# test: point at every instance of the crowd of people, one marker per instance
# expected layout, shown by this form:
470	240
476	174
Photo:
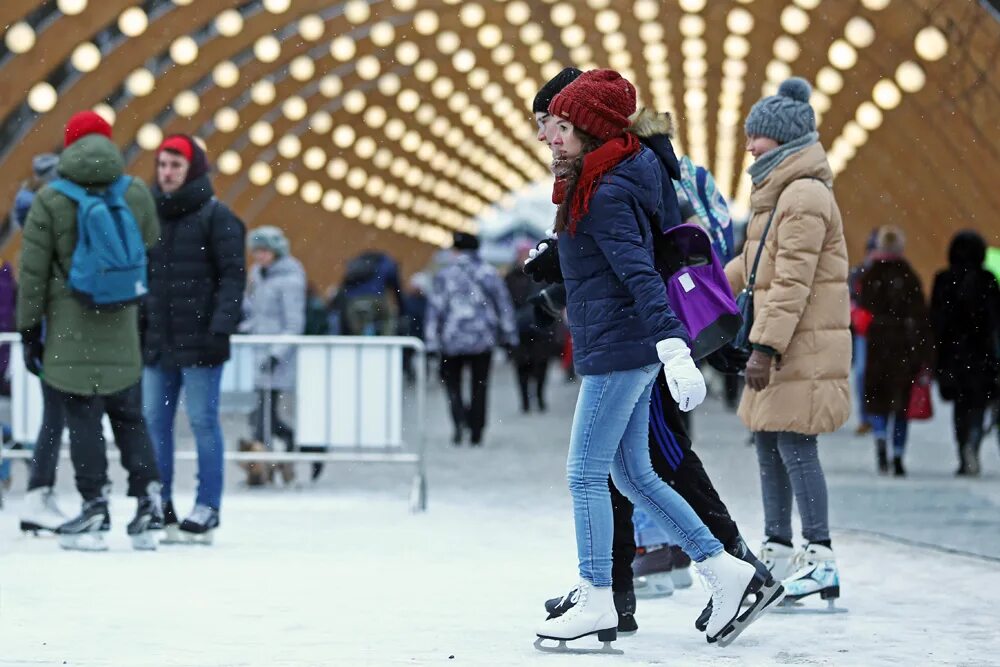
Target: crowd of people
128	296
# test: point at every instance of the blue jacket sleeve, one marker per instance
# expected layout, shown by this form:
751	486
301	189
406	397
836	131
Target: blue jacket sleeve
613	224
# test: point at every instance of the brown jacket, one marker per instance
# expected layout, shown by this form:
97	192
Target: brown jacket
801	300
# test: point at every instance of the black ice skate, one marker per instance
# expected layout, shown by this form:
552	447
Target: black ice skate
586	611
653	571
148	520
624	605
199	527
85	532
171	527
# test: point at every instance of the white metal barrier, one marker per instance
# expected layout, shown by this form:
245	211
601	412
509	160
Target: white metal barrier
349	393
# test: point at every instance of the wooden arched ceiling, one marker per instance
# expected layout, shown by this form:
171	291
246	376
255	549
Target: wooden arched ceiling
390	123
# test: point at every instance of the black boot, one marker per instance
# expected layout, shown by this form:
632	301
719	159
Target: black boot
625	605
883	456
85	532
897	467
148	519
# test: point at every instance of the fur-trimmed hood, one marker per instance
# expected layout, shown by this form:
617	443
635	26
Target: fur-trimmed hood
649	123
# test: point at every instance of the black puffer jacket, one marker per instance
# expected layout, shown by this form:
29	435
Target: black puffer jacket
197	275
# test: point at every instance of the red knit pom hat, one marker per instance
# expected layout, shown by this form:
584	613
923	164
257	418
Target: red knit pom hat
599	102
84	123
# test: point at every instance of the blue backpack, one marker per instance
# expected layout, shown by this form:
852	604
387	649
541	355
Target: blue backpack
108	268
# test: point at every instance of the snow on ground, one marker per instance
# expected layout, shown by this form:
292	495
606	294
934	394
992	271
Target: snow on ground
341	574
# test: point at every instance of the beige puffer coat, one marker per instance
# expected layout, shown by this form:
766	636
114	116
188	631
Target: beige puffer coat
801	300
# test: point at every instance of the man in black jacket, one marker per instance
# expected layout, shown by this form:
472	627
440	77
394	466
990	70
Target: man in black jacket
197	276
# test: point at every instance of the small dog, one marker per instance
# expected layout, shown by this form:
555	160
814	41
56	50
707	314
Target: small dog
261	473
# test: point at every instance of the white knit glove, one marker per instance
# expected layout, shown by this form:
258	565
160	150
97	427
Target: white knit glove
534	252
684	380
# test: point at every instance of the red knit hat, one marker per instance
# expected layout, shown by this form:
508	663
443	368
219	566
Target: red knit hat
177	143
84	123
599	102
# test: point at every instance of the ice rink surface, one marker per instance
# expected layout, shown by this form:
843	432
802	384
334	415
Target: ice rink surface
340	573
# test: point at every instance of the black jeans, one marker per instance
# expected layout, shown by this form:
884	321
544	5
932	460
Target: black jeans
531	370
45	458
968	419
468	415
679	466
88	449
278	427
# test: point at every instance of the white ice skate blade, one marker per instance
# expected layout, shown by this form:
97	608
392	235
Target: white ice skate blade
172	535
83	542
650	586
797	607
145	541
204	539
765	599
561	647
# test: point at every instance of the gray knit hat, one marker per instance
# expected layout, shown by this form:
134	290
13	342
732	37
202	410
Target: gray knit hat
268	238
783	117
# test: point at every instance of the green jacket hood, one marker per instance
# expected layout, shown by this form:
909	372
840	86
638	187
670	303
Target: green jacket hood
92	160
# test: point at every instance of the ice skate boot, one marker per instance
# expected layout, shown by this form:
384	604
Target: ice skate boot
818	574
652	572
681	574
624	605
85	532
779	559
770	588
586	610
41	512
200	525
970	460
148	520
171	527
897	467
731	580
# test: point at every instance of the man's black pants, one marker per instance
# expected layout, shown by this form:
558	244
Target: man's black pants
88	449
467	415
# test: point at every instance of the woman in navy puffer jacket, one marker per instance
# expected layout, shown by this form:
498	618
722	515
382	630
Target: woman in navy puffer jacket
608	188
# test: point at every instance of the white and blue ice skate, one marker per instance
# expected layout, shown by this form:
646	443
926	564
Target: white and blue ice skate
817	574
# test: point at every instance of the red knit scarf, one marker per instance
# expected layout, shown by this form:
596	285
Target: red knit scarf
596	164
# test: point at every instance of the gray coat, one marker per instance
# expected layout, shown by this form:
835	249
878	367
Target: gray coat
275	303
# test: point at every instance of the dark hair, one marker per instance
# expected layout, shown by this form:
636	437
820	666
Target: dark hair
572	175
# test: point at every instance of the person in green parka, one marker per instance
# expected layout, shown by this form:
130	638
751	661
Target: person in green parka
90	358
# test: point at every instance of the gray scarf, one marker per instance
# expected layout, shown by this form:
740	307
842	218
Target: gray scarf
763	167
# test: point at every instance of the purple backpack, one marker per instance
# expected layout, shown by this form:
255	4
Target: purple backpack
697	288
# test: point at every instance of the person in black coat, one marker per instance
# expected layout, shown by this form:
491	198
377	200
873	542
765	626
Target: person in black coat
533	352
197	276
965	316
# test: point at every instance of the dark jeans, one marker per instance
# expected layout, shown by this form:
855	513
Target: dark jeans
468	415
790	465
968	419
45	458
532	371
678	465
88	449
278	427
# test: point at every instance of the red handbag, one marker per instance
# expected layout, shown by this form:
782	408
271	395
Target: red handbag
921	407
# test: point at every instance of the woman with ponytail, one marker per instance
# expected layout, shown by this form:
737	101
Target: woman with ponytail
607	190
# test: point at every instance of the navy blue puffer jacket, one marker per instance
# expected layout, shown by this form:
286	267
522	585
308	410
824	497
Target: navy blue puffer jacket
616	301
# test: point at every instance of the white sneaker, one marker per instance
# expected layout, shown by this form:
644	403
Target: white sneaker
592	610
41	511
729	578
781	561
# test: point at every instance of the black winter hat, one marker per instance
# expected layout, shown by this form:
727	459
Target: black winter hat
553	88
463	241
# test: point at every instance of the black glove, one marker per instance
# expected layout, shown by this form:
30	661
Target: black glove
270	364
544	267
217	345
33	350
728	360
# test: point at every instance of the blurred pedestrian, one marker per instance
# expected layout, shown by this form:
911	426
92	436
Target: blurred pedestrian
533	353
469	314
861	319
965	317
898	344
